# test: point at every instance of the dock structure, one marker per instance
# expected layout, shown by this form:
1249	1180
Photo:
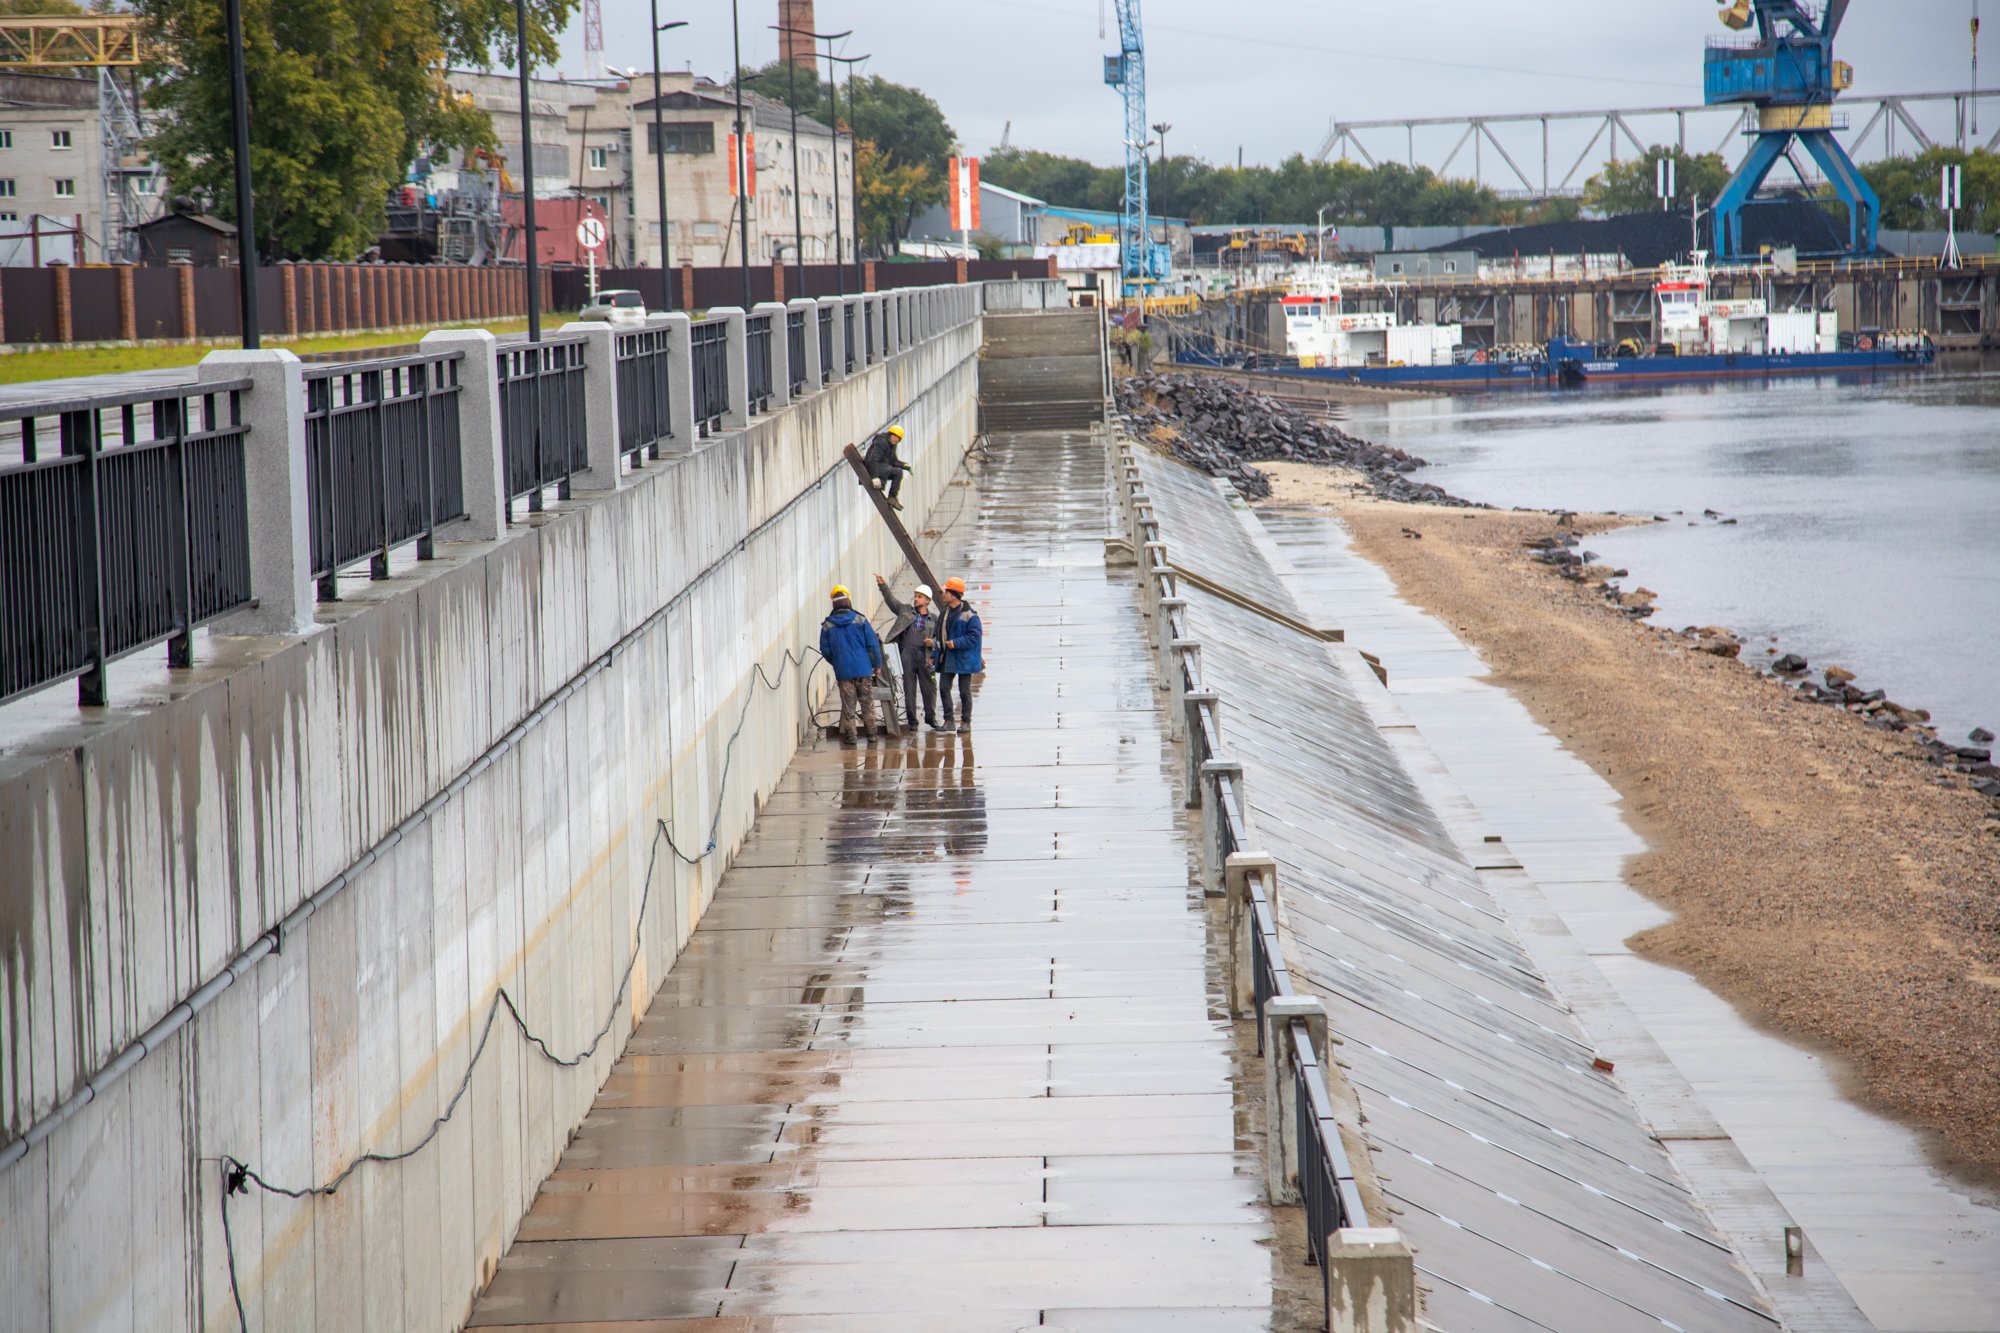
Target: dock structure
942	1054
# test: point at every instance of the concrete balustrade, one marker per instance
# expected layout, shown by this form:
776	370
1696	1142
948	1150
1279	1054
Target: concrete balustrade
808	310
600	404
781	354
458	779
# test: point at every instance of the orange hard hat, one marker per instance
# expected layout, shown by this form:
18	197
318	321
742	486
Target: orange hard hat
954	585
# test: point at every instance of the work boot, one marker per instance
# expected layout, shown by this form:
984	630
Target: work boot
895	504
846	737
965	728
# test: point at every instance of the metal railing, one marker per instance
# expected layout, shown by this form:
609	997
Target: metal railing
825	343
868	321
382	461
757	361
709	346
853	348
645	401
543	430
134	529
795	351
1306	1158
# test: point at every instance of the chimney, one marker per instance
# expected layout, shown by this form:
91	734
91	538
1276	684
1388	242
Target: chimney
797	50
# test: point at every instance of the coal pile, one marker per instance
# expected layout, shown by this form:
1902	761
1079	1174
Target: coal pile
1221	427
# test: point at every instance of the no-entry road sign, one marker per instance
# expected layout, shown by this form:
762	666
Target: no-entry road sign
590	233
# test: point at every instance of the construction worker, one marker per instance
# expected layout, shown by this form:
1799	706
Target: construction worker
884	467
959	653
915	635
848	643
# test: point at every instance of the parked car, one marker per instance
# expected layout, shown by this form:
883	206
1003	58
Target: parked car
617	305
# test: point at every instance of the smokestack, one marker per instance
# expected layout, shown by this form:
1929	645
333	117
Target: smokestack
797	50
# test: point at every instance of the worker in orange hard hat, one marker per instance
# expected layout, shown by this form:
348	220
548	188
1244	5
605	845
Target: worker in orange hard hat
885	468
960	653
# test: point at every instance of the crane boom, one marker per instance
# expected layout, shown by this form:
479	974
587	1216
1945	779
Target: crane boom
1126	72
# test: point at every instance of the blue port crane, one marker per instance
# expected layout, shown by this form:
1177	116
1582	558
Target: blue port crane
1126	72
1787	71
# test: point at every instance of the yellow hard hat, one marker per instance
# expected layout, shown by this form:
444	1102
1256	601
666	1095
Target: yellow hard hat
896	434
840	590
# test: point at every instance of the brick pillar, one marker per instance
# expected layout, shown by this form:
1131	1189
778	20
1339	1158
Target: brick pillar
128	315
188	329
777	282
963	273
65	317
288	284
687	287
350	309
868	275
1051	273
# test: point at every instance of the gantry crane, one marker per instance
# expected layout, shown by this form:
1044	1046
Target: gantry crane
1787	71
1126	72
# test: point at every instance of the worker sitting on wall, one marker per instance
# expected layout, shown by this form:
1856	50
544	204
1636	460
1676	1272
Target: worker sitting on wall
885	469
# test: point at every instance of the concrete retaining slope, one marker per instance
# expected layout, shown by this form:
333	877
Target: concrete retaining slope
526	712
1042	370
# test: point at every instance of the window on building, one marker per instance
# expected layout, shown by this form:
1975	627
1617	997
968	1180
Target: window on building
181	254
6	138
146	185
59	138
600	159
65	188
707	231
1450	266
691	138
6	187
10	217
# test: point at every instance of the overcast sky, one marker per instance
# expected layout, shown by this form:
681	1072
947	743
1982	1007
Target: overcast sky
1269	76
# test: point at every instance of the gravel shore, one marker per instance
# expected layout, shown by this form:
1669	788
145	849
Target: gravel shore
1823	880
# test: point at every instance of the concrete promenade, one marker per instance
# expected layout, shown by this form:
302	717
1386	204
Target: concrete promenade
945	1052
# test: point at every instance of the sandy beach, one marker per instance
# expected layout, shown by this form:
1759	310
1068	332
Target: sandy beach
1822	879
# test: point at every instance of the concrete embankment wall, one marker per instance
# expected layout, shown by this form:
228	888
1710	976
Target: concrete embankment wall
527	712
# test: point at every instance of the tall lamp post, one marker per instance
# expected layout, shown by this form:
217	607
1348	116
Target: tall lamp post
742	151
533	238
798	198
853	156
1160	127
660	160
246	221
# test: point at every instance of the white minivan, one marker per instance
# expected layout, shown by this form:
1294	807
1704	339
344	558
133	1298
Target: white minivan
616	305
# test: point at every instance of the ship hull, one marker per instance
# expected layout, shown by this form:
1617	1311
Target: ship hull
1579	370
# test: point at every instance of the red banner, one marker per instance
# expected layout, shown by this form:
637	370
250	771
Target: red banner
964	194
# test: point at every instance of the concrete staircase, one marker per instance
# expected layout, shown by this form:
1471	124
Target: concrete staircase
1041	370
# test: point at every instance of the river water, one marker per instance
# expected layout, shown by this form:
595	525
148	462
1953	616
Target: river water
1867	514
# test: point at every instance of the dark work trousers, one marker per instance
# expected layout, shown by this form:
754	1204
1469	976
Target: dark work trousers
890	478
964	682
918	677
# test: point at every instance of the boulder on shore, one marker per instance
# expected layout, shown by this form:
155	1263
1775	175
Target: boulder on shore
1838	675
1790	664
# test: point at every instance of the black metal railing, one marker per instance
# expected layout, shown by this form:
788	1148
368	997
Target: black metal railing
709	342
795	350
382	460
136	528
848	342
645	400
543	431
757	361
868	321
825	343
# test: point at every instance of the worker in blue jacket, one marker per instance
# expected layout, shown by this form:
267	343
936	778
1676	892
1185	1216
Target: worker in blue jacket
851	647
960	656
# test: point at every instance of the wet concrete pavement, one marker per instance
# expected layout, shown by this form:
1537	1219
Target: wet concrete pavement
945	1052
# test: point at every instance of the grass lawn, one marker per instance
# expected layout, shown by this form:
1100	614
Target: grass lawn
58	363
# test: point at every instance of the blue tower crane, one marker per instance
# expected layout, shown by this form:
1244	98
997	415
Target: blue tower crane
1126	71
1788	72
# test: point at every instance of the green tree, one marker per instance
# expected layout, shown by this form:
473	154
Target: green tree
343	95
1630	187
1909	188
904	130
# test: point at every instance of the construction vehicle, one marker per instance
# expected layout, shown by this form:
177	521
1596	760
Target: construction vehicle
1787	71
1080	233
1247	246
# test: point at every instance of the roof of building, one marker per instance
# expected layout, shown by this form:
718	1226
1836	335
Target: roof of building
1106	217
1015	195
214	224
717	97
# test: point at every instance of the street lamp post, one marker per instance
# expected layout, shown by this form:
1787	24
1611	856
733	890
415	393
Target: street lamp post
742	152
853	156
246	221
1160	128
533	235
798	198
660	159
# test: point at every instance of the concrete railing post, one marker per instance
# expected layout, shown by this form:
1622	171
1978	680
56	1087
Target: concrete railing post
809	311
737	415
1242	924
480	468
274	475
1213	821
1281	1099
1156	574
836	331
681	433
781	353
1193	703
1371	1281
600	405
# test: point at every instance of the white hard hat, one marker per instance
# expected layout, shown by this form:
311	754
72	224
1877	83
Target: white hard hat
924	590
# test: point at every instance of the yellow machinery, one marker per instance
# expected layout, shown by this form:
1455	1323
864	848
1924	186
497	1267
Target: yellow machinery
1080	233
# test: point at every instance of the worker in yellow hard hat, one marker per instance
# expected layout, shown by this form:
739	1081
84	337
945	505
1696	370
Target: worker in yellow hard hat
850	646
885	468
